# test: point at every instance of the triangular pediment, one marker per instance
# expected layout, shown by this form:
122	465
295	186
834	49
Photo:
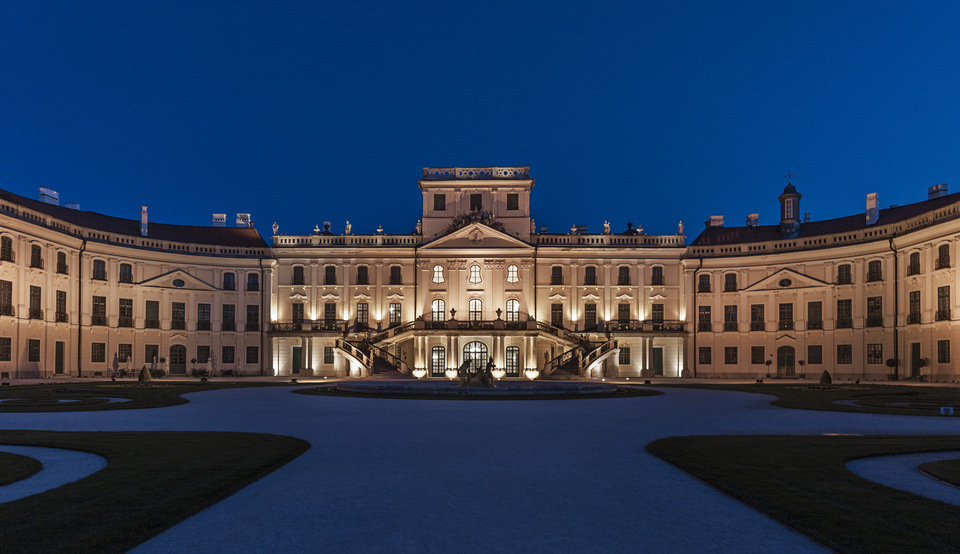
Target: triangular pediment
785	279
178	279
476	236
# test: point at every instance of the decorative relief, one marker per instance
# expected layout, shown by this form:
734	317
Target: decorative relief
943	277
476	237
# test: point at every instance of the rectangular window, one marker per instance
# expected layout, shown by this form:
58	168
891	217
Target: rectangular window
330	275
228	319
705	355
395	313
623	275
36	312
624	356
756	317
229	281
815	354
730	282
875	353
704	284
556	275
476	202
729	355
100	270
6	349
844	275
943	256
875	311
943	351
815	315
6	249
328	354
590	275
656	276
438	361
61	306
786	315
363	315
943	303
298	313
513	201
395	277
914	315
152	314
98	352
203	353
657	313
874	271
512	366
623	313
178	315
556	315
844	313
253	282
125	311
228	355
253	317
757	355
298	275
98	315
730	317
704	319
253	355
363	275
330	312
439	202
203	317
151	354
589	317
6	297
62	263
125	353
126	273
844	353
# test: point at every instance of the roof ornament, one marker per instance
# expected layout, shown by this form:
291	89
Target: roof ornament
346	231
680	227
275	228
606	227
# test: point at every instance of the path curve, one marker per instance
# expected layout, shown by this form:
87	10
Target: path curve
59	468
902	472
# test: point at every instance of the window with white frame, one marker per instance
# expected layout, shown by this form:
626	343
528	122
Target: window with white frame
438	274
513	274
476	309
474	277
513	310
438	309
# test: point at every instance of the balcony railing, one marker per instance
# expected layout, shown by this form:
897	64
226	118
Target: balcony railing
785	325
306	326
252	326
703	288
151	324
814	325
705	326
913	318
730	326
6	256
7	309
35	263
844	323
645	325
100	275
874	321
125	322
758	326
228	326
62	317
178	324
98	320
844	281
941	263
203	325
63	269
913	269
36	313
943	315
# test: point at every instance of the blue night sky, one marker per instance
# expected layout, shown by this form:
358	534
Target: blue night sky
648	112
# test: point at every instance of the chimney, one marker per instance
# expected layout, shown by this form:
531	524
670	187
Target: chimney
49	196
219	220
143	221
753	220
715	221
872	211
936	191
243	220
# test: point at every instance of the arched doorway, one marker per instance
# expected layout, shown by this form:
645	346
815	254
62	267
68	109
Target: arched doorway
178	359
476	353
785	361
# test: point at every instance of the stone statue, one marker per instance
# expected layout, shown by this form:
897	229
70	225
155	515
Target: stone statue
606	227
419	227
347	230
680	227
533	226
275	227
470	377
573	229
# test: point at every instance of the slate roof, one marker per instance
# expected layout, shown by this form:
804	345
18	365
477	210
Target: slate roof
714	236
243	237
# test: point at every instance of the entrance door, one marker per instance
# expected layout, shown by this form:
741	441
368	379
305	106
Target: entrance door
657	361
785	357
297	359
914	359
58	359
178	359
476	353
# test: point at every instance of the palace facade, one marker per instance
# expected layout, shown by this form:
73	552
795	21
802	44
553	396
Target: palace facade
866	296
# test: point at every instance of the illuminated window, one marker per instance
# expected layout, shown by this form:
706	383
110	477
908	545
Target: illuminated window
513	310
512	360
439	309
438	361
474	277
475	309
656	275
513	274
438	274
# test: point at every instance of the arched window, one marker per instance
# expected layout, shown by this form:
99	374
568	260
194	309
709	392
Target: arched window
513	310
513	274
874	271
844	274
298	275
438	307
943	256
62	262
474	277
229	281
590	275
914	267
476	353
36	256
6	249
438	361
656	275
363	275
330	275
704	285
100	270
730	282
623	275
512	361
475	309
126	273
395	277
437	274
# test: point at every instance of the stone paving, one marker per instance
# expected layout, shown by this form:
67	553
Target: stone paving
439	475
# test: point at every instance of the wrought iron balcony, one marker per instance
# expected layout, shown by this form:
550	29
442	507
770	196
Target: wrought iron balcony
705	326
125	322
98	320
758	326
785	325
63	269
814	325
913	318
913	269
36	263
62	317
252	326
178	324
151	324
7	309
943	315
874	321
36	313
941	263
203	325
306	326
844	323
228	326
730	326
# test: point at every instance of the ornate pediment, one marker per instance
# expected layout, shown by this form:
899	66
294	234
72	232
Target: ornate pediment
785	279
473	236
178	279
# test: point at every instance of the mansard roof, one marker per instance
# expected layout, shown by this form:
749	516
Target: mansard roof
713	236
246	237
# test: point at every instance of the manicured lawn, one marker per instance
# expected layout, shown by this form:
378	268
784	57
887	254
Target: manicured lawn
152	481
947	471
14	467
802	481
877	399
96	395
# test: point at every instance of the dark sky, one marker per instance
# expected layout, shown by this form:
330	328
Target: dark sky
648	112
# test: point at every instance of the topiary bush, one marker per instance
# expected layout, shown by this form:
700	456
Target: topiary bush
145	375
825	378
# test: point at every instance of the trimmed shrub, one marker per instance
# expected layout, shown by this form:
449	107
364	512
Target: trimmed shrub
825	378
145	375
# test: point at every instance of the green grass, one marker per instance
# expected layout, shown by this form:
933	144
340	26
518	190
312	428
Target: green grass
152	481
876	399
947	471
15	467
94	395
802	481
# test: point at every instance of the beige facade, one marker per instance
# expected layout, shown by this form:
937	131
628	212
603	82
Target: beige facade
477	281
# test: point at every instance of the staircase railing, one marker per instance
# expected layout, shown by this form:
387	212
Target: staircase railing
355	350
599	351
574	353
392	359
